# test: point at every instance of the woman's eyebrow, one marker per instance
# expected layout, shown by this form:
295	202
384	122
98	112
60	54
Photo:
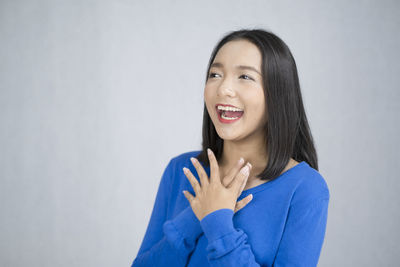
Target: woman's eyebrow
242	67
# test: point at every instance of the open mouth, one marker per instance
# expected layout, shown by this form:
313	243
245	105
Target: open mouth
229	115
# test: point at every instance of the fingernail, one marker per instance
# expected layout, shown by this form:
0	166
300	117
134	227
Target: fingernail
185	170
249	165
245	170
193	159
241	160
208	151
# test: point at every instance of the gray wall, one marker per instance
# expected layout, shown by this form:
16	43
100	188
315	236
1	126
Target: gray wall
97	96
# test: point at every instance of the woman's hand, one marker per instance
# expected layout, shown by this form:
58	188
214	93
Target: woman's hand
212	195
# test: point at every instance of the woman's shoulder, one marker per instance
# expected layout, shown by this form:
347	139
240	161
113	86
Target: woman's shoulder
175	165
310	185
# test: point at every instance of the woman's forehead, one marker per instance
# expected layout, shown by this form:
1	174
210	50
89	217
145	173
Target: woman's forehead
238	53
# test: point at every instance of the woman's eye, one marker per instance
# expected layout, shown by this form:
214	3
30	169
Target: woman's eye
212	75
246	77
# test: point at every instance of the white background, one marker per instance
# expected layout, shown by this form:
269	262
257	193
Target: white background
97	96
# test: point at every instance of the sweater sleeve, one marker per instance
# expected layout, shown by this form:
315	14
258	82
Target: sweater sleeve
300	244
227	245
304	234
168	242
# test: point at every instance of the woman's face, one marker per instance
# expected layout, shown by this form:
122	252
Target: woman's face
231	82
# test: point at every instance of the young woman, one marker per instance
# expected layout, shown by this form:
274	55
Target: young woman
211	209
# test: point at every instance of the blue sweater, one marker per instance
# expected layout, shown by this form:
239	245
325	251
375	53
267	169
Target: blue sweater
283	225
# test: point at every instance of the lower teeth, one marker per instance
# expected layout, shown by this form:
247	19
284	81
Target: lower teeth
228	118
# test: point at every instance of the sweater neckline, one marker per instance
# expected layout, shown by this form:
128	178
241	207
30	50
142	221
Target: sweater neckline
265	185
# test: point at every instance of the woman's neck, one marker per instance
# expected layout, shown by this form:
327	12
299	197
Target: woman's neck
253	152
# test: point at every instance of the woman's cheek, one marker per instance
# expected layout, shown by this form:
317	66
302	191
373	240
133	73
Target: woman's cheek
207	94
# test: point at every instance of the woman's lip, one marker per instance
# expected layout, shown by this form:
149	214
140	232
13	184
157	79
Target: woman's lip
219	113
226	105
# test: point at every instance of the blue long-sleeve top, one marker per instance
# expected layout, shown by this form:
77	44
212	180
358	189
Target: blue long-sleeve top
283	225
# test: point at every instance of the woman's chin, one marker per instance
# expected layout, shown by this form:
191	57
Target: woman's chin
227	135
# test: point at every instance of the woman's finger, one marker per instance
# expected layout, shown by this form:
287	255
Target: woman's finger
243	185
239	179
243	202
200	171
188	196
193	181
233	172
214	168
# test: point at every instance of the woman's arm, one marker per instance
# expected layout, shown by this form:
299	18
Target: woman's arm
227	245
168	243
300	244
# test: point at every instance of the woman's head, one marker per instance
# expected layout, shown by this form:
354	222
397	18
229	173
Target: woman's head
235	78
271	99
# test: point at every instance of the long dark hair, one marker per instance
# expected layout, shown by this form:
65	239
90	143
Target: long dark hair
287	133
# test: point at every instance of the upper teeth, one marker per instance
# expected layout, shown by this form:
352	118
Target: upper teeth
228	108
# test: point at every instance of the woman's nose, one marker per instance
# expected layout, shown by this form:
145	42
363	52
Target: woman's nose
226	88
